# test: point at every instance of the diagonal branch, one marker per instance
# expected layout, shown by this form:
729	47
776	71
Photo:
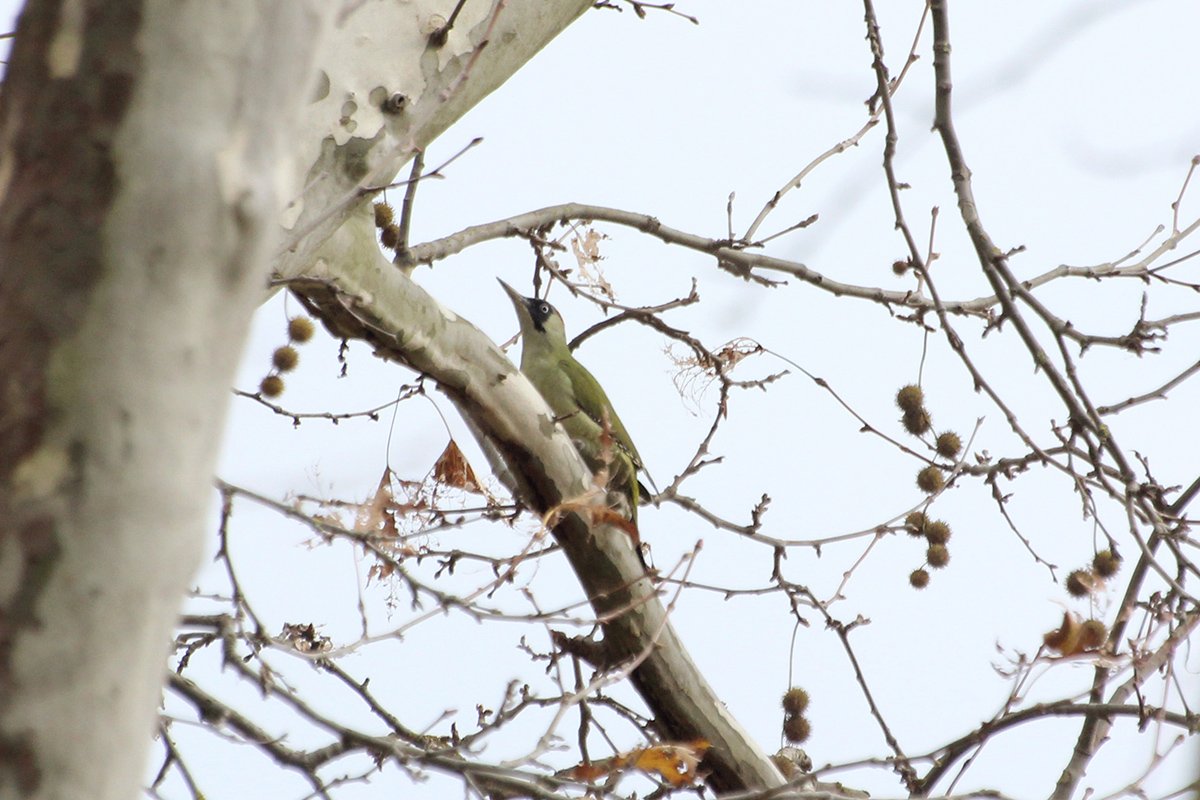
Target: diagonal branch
370	299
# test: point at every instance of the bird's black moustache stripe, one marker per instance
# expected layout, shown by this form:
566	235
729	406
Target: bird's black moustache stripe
539	312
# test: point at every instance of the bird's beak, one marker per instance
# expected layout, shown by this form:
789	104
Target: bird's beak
512	293
519	301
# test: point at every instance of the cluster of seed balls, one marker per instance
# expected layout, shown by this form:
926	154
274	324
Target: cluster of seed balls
936	533
795	725
285	359
1082	582
389	231
916	420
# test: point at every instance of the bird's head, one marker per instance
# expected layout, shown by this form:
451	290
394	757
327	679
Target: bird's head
541	324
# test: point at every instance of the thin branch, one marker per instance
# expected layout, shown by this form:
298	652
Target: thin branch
845	144
1158	394
410	196
334	417
732	259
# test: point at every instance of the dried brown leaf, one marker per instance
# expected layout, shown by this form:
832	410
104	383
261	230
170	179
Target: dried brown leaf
373	516
452	469
677	764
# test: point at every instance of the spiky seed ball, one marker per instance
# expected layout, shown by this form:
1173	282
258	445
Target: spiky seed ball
915	523
1081	583
389	237
937	555
1093	635
910	398
795	700
285	358
900	267
271	386
796	729
930	480
383	215
937	532
1106	563
917	421
918	579
948	444
300	329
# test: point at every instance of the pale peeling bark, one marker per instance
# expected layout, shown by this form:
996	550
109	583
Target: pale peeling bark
360	294
141	144
384	90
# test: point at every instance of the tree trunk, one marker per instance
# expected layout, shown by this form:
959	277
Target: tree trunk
139	144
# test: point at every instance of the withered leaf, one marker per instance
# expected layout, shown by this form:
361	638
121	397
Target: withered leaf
452	469
677	763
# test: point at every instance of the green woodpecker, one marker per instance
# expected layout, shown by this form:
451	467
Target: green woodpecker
575	397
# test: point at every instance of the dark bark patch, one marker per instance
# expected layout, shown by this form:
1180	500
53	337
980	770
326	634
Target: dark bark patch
57	128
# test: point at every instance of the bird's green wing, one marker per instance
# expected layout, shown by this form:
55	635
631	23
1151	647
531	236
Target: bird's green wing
594	403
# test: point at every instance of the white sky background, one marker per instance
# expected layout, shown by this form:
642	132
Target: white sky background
1078	119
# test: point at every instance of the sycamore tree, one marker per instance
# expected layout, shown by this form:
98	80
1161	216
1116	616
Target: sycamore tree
917	509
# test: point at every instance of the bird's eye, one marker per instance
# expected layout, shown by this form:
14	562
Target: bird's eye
544	308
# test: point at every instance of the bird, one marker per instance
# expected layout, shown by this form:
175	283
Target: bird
576	397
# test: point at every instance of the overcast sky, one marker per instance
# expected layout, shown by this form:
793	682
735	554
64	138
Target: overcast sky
1078	119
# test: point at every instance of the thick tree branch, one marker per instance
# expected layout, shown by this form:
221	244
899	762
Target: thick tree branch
405	89
371	299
